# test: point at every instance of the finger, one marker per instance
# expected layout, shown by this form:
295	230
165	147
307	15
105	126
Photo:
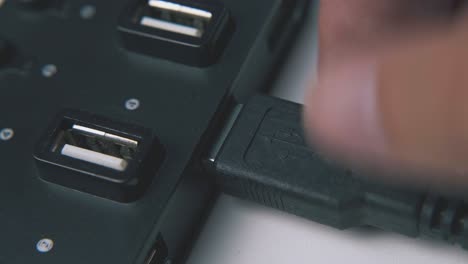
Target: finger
400	106
358	24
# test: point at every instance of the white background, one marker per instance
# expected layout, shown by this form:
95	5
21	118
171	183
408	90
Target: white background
241	232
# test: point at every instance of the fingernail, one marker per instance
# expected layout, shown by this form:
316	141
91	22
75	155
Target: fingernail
342	111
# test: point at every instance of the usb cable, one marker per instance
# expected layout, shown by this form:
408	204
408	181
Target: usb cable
261	155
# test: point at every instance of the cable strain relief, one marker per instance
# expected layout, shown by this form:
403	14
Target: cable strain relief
445	220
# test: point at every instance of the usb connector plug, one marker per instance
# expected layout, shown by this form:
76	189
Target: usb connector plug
262	156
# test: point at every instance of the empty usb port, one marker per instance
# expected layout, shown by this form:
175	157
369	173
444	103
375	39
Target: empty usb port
99	156
95	146
176	18
191	32
159	253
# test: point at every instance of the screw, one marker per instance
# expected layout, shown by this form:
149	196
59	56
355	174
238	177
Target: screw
6	134
87	11
44	245
49	70
132	104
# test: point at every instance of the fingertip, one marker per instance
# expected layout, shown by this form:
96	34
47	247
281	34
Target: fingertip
400	110
341	114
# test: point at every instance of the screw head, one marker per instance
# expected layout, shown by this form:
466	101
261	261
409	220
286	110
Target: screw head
49	70
6	134
45	245
87	11
132	104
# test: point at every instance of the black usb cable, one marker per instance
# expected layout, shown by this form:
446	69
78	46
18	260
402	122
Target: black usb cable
262	156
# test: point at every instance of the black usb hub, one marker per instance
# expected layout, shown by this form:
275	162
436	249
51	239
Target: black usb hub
124	177
93	184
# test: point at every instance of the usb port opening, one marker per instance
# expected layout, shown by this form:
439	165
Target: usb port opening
176	18
159	253
192	32
95	146
99	156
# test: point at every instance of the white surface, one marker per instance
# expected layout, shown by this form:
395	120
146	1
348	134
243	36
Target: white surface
240	232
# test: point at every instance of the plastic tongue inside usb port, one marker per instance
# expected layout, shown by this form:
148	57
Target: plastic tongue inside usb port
95	146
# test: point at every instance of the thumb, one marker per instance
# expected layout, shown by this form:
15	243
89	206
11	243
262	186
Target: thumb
400	107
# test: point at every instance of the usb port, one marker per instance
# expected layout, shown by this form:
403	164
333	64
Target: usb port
177	18
159	253
98	156
95	146
190	32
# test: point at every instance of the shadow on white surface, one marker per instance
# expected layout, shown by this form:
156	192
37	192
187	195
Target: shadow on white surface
243	232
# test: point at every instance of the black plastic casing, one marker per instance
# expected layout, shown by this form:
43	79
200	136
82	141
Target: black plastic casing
39	5
265	158
183	106
177	47
11	59
7	53
121	186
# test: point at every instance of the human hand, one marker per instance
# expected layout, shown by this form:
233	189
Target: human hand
391	90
